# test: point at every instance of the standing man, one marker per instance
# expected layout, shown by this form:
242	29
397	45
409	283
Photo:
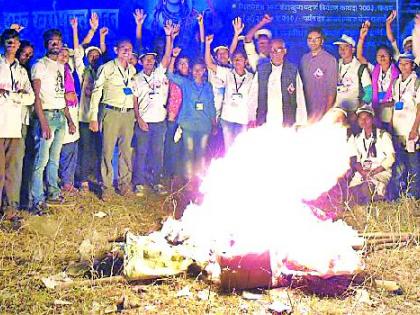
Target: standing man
278	91
15	93
151	94
319	74
52	115
113	89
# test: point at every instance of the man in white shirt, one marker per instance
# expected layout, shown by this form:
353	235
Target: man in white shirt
15	93
151	88
375	156
405	123
52	116
277	92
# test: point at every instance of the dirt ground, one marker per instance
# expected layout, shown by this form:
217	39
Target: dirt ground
45	246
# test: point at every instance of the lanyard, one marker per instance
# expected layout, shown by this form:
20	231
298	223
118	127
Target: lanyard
201	91
344	75
383	76
148	83
367	149
125	80
12	77
405	88
236	83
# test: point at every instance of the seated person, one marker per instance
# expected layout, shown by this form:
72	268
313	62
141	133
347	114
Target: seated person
375	156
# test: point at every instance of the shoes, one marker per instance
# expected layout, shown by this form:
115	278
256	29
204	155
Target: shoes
107	195
58	202
39	209
125	190
140	190
160	189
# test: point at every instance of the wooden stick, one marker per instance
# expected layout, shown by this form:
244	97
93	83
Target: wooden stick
92	282
389	234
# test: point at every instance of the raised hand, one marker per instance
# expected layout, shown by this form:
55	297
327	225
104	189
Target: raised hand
94	21
209	39
16	27
168	27
73	23
266	19
103	31
364	29
238	26
175	30
139	16
199	18
391	17
176	51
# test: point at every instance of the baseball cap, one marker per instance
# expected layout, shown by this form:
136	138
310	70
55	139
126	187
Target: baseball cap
408	56
90	48
220	47
367	108
263	31
407	39
345	39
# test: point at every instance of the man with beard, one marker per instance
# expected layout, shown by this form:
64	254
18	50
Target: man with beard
15	94
52	115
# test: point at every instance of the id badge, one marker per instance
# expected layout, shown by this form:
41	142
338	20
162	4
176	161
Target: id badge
128	91
236	98
399	105
381	96
199	106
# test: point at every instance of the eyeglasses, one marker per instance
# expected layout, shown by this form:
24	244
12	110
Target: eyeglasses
314	39
278	50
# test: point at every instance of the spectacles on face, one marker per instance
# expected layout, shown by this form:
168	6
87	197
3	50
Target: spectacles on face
314	39
278	50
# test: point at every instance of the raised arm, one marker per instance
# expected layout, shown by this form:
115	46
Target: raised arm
74	27
103	32
364	29
390	34
200	20
175	53
416	39
139	18
264	21
94	23
171	31
238	27
207	55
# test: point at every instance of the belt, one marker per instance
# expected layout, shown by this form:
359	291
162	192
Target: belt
119	109
53	110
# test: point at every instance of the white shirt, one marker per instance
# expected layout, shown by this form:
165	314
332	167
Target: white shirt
348	84
252	55
152	93
275	99
51	75
218	90
236	99
404	91
14	106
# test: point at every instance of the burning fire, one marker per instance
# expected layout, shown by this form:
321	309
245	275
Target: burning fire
254	201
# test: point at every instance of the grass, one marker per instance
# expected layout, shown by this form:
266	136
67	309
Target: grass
45	246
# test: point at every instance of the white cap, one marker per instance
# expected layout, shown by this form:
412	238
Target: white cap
345	39
147	53
215	49
71	51
263	31
90	48
408	38
367	108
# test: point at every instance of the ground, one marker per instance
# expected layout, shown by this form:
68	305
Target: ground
45	246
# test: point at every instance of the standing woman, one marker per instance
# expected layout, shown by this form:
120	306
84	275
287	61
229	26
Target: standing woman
197	117
384	74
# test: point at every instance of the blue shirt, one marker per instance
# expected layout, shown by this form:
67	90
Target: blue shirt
197	110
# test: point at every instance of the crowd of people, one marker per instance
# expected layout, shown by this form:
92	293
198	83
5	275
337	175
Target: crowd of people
78	116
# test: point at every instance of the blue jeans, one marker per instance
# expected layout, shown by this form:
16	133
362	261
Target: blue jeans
172	155
195	147
230	131
47	156
148	159
406	177
68	162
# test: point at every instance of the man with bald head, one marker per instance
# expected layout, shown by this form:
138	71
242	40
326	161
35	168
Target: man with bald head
277	90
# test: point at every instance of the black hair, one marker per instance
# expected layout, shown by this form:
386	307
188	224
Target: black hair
123	40
387	49
316	30
50	34
8	34
239	51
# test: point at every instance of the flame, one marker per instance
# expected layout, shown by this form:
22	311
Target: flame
253	200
